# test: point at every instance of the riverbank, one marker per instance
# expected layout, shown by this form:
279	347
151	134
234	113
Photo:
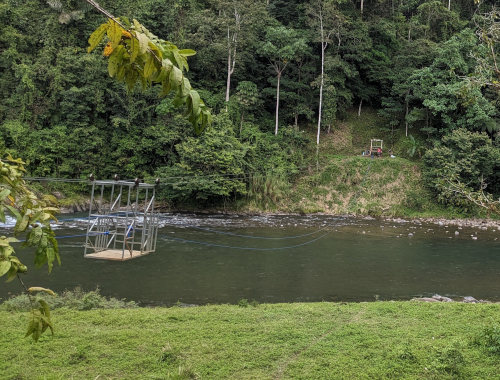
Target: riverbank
475	223
390	189
268	341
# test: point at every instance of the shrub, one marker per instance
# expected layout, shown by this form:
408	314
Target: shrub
72	299
243	302
209	167
470	157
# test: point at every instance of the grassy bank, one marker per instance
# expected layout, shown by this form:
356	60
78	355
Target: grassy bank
314	341
344	182
363	186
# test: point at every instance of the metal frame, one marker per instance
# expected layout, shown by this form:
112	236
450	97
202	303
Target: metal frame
376	143
117	223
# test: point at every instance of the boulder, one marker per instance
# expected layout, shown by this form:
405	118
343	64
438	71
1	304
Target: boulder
58	195
425	299
441	298
470	299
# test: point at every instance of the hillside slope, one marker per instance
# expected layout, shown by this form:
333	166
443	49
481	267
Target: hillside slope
360	185
345	182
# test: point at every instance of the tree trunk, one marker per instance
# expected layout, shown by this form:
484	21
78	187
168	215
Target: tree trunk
228	82
230	62
406	113
231	52
362	2
296	116
359	109
449	5
277	103
323	47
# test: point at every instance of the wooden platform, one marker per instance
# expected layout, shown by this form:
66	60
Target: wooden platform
116	255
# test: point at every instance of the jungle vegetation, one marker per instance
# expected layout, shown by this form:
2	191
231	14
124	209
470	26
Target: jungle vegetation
277	76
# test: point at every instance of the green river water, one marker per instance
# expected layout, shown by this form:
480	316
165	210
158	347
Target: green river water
338	259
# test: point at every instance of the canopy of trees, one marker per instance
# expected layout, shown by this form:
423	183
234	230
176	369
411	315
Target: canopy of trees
265	69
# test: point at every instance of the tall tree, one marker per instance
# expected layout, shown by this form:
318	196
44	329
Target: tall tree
282	45
440	89
238	19
326	19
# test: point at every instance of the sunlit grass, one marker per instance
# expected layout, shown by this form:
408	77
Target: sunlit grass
309	340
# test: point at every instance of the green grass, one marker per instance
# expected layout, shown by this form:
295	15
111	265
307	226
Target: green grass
305	340
360	185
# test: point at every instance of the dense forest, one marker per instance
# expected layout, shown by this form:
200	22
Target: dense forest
278	76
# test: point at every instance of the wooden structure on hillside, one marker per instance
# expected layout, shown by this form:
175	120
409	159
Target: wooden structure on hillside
376	144
122	223
375	150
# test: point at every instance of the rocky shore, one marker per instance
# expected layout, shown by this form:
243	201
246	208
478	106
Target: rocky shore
83	205
483	224
439	298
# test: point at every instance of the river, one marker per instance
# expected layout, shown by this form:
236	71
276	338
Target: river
204	259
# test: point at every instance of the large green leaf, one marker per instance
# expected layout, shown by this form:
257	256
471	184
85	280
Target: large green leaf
32	325
4	194
175	77
166	67
187	52
121	73
4	267
34	236
11	274
14	212
50	257
7	251
195	98
44	309
149	67
23	223
115	60
96	37
180	60
143	42
40	257
186	87
134	49
46	323
166	87
114	32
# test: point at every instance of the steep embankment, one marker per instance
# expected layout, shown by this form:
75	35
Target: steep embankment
359	185
345	182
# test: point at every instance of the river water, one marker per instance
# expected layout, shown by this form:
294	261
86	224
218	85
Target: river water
222	259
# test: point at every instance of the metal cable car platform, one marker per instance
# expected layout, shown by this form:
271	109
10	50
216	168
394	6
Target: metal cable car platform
122	223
